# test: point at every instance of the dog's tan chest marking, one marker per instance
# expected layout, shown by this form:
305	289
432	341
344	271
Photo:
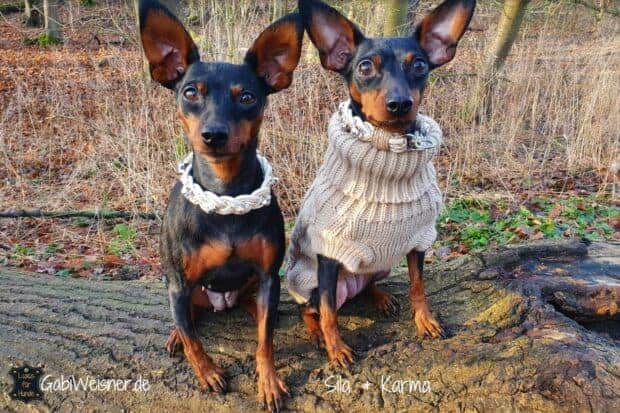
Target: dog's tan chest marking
209	256
214	254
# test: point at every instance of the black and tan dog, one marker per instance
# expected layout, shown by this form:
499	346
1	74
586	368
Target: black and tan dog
215	261
386	78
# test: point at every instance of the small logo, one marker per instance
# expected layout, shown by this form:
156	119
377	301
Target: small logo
26	383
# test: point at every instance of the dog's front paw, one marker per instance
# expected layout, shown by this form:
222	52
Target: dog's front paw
426	324
339	354
271	389
211	378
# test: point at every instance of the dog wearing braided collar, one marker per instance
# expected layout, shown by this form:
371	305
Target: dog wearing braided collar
222	239
375	198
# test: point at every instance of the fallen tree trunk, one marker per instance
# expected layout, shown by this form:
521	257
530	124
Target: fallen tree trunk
509	344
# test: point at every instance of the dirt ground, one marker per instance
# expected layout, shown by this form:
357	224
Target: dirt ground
529	328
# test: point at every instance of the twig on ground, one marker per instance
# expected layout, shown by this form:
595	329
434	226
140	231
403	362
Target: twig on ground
80	214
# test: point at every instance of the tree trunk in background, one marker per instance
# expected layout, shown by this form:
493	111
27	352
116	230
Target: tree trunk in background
145	64
194	11
27	9
198	12
31	14
397	17
507	30
52	20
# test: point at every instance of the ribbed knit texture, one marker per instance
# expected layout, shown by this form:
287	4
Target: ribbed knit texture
367	207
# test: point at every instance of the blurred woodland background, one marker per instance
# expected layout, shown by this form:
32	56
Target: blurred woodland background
529	108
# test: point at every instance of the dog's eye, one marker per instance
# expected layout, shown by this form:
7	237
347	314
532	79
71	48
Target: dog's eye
247	98
419	68
190	93
366	68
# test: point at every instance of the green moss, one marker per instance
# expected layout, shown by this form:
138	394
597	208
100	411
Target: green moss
505	312
42	39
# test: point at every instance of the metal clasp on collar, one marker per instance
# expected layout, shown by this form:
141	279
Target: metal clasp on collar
415	142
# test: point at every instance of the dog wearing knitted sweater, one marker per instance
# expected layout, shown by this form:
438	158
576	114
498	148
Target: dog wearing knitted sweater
375	198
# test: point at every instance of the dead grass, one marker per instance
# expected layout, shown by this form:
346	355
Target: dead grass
80	128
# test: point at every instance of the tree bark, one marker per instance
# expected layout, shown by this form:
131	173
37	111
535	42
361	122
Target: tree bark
195	14
145	73
510	344
397	22
52	20
507	29
32	14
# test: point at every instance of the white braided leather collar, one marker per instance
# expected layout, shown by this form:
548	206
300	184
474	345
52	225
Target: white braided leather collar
427	137
210	202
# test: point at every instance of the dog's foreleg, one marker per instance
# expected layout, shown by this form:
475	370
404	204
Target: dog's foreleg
338	352
424	321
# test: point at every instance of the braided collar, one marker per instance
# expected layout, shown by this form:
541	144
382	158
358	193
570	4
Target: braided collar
428	135
210	202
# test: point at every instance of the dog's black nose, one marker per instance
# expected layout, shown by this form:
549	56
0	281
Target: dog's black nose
399	106
215	137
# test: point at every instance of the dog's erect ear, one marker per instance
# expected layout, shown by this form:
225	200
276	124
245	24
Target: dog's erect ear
168	47
276	52
439	33
333	34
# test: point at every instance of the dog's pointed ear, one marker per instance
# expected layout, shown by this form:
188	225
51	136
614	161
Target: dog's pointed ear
275	54
334	35
168	47
439	33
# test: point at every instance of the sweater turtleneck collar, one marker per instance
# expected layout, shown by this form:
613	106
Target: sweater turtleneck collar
427	135
361	161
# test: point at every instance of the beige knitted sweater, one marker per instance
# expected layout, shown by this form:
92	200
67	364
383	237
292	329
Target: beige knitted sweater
371	203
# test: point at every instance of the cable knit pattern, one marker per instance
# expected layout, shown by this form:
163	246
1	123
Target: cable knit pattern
369	205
